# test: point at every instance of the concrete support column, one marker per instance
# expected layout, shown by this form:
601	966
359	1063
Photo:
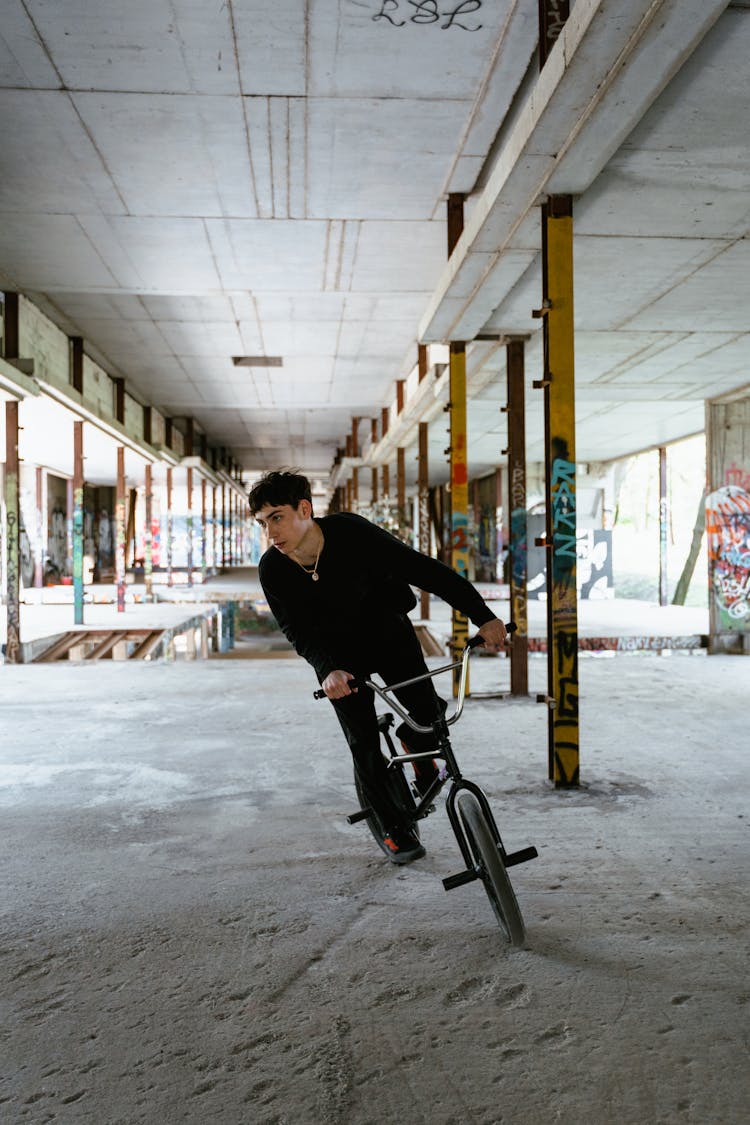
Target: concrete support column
12	535
519	650
560	457
78	523
170	537
424	511
120	531
728	525
148	544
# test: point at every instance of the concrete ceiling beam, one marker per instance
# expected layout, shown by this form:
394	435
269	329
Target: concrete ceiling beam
608	66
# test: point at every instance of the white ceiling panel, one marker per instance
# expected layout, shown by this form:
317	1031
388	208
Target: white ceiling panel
145	45
356	156
399	257
266	255
148	254
170	155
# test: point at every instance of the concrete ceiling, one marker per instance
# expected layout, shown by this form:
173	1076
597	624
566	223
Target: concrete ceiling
181	183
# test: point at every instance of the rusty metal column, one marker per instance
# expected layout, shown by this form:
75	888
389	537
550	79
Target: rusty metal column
204	530
148	543
459	491
401	488
38	533
78	523
424	512
355	470
519	650
120	531
560	457
663	527
374	442
12	535
223	535
189	487
214	550
169	527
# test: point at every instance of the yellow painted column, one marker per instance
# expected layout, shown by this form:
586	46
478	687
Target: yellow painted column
459	489
561	495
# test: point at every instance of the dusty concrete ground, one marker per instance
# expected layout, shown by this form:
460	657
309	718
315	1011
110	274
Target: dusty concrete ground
192	933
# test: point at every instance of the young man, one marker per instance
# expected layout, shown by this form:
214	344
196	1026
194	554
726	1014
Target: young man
340	589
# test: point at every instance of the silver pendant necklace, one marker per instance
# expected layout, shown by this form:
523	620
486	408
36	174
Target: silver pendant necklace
314	572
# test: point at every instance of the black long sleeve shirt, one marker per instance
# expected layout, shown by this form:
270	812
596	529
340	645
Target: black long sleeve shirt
365	575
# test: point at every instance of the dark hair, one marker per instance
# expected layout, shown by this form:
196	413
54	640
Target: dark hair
279	488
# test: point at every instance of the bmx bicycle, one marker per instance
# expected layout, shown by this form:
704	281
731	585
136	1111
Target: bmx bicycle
468	809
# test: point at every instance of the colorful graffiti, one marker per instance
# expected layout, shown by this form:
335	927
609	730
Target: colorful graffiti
728	534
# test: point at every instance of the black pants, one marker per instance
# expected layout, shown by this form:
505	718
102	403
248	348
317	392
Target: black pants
395	656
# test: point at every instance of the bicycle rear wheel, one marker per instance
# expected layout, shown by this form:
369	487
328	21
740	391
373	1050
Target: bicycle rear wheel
401	794
492	870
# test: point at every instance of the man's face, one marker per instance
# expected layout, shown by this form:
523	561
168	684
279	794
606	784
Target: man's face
284	525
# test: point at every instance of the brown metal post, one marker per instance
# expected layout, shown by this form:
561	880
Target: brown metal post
12	537
400	385
204	529
11	330
78	523
214	549
663	527
120	531
455	219
424	511
422	361
223	525
519	651
38	532
76	363
148	546
552	17
119	385
386	478
169	527
189	484
384	419
401	488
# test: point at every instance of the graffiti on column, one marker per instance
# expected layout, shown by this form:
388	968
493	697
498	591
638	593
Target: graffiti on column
519	547
120	553
564	554
78	537
425	13
13	642
728	534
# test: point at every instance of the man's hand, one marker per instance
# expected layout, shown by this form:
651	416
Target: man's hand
336	684
494	635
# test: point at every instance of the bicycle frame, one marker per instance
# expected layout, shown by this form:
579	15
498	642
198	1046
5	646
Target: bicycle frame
451	771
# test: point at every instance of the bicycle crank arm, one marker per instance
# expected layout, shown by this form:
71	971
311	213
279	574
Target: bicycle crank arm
520	856
463	877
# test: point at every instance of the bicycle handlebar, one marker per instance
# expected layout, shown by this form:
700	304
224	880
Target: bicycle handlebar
463	664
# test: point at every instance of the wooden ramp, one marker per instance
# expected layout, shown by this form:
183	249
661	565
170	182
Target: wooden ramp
103	644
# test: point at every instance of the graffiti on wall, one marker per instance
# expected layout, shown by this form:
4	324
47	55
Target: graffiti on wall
728	534
424	13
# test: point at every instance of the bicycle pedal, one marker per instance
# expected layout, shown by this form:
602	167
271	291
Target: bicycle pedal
459	880
361	814
510	860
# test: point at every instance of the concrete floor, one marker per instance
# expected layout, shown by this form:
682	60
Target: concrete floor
192	933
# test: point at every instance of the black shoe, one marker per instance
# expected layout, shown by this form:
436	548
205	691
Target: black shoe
402	845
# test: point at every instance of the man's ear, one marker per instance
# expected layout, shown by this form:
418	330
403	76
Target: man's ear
304	509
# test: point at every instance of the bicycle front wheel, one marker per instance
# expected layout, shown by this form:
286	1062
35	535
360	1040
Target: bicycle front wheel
492	872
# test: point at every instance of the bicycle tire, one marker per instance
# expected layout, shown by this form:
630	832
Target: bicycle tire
401	793
491	868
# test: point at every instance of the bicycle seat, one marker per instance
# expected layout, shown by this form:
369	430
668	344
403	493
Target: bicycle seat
385	721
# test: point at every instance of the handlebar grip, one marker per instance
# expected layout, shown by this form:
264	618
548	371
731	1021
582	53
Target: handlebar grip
473	642
354	683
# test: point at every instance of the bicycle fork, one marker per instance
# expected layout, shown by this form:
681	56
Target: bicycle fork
472	872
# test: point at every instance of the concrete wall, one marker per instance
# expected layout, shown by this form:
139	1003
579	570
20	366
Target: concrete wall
39	339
